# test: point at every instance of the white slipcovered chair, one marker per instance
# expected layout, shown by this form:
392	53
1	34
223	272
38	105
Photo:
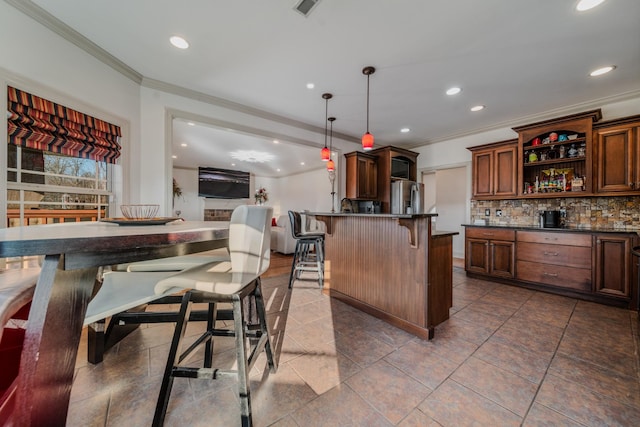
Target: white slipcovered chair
236	282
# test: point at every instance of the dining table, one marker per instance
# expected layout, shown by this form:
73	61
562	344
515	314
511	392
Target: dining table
72	255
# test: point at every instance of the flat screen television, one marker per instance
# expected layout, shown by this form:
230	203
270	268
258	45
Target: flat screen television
218	183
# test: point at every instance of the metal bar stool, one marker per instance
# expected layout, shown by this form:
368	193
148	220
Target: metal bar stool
236	282
309	252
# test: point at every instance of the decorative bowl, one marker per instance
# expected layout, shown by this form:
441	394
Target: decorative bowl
139	211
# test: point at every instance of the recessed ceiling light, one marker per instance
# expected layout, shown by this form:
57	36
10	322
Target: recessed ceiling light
252	156
183	145
233	164
587	4
477	108
174	157
405	130
310	85
453	91
601	71
179	42
301	163
275	141
191	123
278	170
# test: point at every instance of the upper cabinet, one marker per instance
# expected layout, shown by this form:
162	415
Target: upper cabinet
362	176
369	175
393	163
495	170
617	156
556	156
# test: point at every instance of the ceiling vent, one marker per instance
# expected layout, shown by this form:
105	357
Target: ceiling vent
305	6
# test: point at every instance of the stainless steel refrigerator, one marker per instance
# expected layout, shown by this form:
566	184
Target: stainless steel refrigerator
407	197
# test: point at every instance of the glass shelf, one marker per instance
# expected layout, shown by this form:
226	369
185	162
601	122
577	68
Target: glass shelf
554	161
553	145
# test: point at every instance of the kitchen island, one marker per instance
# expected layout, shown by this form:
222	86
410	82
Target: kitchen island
394	267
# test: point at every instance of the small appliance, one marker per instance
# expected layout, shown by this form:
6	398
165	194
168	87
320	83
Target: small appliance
551	219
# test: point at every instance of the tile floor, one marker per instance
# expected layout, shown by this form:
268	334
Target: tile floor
507	356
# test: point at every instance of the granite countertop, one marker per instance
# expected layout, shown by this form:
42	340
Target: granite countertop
374	215
569	228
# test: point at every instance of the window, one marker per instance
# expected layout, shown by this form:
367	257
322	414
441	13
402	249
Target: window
59	162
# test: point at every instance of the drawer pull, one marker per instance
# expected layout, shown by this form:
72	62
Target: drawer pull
550	274
551	253
487	234
550	238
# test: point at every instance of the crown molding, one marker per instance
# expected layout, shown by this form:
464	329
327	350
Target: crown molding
231	105
49	21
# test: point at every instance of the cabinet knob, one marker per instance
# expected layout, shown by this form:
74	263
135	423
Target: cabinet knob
551	253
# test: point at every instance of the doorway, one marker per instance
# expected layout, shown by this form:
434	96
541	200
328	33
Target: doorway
447	194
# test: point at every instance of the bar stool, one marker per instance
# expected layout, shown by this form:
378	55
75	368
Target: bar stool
236	282
309	252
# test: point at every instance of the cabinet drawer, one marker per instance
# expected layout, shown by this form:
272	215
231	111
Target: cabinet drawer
490	233
557	238
561	276
571	256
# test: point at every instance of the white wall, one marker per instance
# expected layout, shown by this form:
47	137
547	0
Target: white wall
36	60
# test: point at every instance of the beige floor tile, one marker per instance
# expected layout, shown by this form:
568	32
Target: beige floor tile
339	406
452	404
498	385
386	388
585	406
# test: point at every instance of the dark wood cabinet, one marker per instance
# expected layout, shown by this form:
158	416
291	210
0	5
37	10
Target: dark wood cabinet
594	266
617	154
362	176
551	159
385	156
490	251
561	260
495	170
613	264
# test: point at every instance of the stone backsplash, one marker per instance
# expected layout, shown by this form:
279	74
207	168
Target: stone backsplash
595	212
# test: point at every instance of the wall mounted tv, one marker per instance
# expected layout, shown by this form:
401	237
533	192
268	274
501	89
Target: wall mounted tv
223	183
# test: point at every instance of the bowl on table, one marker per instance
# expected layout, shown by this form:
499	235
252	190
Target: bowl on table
139	211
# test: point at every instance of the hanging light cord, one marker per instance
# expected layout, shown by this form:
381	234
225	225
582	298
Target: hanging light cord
326	115
368	75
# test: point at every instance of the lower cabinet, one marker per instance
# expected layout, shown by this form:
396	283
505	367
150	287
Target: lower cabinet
556	259
490	251
613	264
589	265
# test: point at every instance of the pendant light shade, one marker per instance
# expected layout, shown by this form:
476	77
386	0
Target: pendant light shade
325	153
367	138
330	165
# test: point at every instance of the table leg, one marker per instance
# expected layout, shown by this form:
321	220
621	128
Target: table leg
51	343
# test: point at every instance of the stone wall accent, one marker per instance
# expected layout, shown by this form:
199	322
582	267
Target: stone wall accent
620	213
217	214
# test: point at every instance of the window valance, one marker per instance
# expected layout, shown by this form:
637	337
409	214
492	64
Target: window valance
40	124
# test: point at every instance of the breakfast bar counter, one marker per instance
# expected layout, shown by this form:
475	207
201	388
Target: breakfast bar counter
394	267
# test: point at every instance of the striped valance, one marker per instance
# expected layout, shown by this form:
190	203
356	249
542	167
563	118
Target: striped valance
40	124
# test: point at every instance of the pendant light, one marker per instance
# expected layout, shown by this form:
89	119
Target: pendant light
325	153
330	165
367	138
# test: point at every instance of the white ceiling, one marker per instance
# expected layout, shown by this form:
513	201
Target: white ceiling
523	60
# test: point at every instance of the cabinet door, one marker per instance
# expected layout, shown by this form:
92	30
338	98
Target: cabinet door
615	157
368	177
477	255
613	265
504	173
483	173
502	258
